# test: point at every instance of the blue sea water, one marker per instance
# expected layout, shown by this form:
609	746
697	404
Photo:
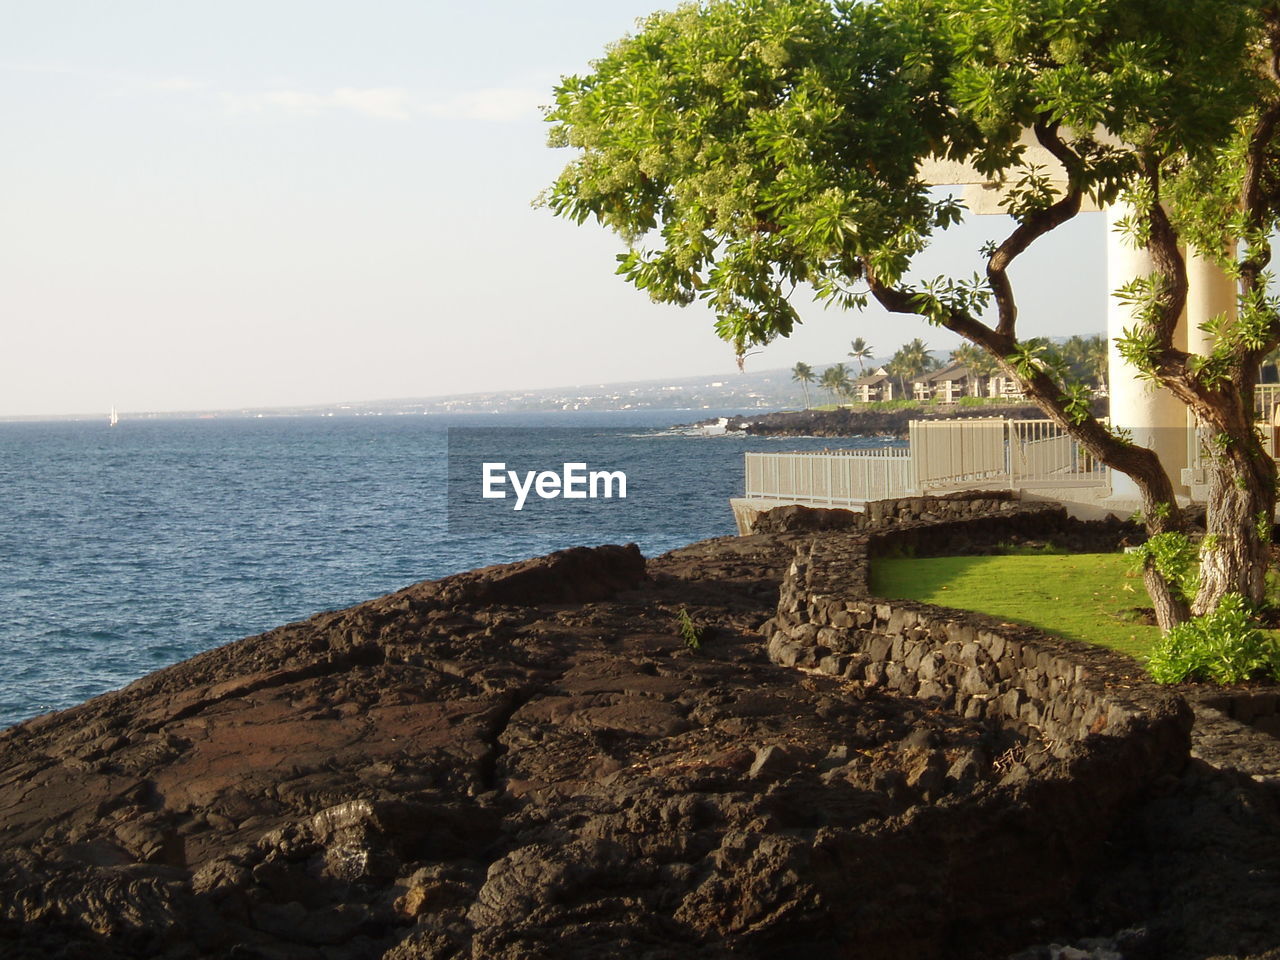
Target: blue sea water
125	549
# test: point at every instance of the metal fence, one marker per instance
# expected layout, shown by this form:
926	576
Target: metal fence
830	476
1266	404
942	454
1042	451
1266	397
951	451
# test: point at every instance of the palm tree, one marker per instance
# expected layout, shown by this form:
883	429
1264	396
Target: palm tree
1057	362
909	362
861	351
982	366
1072	352
803	374
835	380
975	358
1097	361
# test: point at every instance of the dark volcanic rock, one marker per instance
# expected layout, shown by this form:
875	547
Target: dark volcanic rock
524	762
797	517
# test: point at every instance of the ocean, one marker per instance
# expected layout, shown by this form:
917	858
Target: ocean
125	549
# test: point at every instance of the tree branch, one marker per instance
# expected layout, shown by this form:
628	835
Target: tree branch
1031	229
1140	463
1253	201
1220	406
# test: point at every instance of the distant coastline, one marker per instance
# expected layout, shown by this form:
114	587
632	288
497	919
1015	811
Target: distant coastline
847	422
702	395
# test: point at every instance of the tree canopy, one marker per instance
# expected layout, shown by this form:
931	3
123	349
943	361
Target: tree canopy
745	148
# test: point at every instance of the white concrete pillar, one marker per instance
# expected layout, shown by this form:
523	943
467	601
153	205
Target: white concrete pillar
1155	417
1210	293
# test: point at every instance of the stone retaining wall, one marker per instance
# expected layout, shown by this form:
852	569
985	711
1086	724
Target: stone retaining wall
1056	691
880	512
1043	687
944	524
1227	743
1259	709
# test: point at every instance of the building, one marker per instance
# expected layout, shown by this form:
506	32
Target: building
1000	387
876	385
949	384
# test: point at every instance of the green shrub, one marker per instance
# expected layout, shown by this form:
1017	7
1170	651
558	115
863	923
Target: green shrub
1223	646
1272	590
690	632
971	402
902	403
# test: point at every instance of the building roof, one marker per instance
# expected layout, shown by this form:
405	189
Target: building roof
871	379
953	371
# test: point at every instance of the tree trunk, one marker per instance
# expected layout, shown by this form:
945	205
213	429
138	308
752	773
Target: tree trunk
1160	514
1160	511
1170	608
1233	558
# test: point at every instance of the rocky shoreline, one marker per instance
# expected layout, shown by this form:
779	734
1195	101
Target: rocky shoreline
847	422
530	761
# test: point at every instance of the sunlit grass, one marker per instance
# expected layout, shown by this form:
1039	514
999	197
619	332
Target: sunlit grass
1090	597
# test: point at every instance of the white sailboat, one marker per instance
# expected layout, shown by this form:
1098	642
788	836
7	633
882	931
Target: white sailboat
115	417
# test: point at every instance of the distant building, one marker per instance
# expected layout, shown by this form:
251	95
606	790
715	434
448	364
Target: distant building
948	384
1004	388
876	385
957	380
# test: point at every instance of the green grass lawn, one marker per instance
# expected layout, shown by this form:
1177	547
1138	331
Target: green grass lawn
1089	597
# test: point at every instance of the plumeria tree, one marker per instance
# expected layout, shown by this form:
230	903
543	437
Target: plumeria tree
747	149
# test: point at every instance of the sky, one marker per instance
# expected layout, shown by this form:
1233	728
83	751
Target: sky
277	202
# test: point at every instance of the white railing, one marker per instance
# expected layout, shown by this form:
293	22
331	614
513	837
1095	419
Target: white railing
943	453
1266	397
953	451
830	477
986	452
1266	403
1042	451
